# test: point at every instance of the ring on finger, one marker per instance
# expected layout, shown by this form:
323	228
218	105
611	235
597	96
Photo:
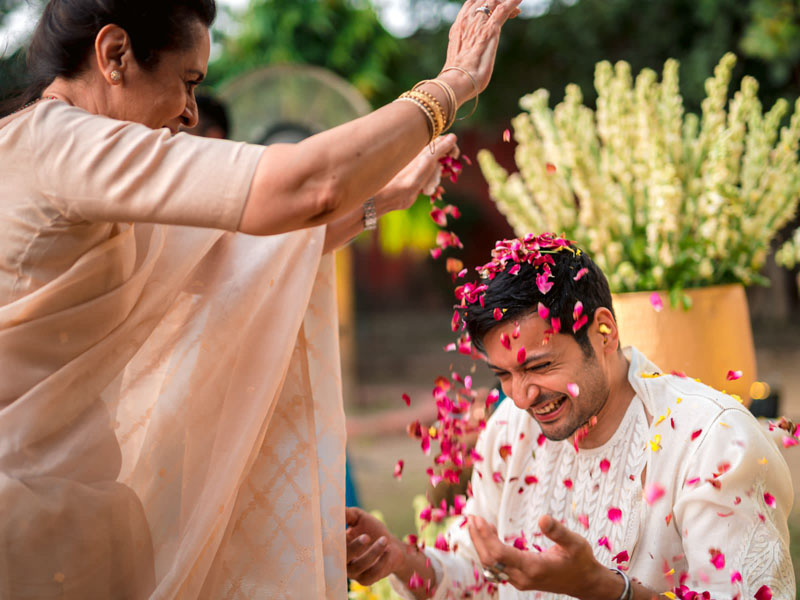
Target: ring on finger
485	10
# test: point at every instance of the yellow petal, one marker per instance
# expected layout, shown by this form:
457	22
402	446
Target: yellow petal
660	419
679	400
669	595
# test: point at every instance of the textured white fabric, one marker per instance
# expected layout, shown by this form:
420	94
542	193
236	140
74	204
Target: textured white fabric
733	519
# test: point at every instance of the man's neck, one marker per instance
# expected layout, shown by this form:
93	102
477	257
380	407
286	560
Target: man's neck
610	416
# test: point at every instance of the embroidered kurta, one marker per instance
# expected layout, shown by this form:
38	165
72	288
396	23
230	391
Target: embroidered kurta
171	423
726	489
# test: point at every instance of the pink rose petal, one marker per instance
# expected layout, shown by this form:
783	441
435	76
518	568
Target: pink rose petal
505	451
580	274
541	439
398	469
573	389
621	557
764	593
415	581
736	577
439	217
521	355
498	314
531	479
543	311
696	433
441	543
568	484
505	340
550	168
770	500
407	399
789	441
604	465
733	375
653	492
583	520
603	541
614	514
506	135
656	301
717	558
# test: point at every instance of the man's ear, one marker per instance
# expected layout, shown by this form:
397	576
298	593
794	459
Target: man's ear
604	330
113	53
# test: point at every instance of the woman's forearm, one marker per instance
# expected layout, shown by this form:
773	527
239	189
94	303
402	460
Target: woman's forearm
327	176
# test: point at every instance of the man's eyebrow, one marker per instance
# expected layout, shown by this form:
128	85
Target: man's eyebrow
529	360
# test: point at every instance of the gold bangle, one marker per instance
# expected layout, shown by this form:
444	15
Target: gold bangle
451	94
433	105
428	115
474	86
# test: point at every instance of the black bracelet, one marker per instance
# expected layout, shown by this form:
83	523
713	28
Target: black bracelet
627	593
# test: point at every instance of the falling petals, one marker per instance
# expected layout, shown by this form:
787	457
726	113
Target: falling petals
584	520
770	500
515	333
542	282
550	168
655	443
541	439
505	341
415	581
543	311
505	451
579	275
398	469
454	266
521	355
439	217
568	484
764	593
614	514
736	577
498	314
582	320
696	433
441	543
605	464
573	389
603	541
436	252
733	375
531	479
717	558
656	302
653	492
621	557
506	135
407	399
789	441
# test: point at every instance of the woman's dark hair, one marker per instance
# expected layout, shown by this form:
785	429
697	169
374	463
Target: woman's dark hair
64	37
518	295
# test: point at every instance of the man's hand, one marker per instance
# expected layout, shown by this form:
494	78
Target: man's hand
372	552
568	567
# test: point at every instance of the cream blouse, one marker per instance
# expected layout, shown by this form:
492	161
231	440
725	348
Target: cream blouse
68	178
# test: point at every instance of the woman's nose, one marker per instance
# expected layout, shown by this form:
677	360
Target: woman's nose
190	117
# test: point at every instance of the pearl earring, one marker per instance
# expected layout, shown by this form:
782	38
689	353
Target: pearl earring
116	75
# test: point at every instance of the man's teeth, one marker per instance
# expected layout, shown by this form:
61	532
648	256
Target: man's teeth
542	410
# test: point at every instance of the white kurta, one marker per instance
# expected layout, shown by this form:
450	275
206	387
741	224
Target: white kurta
714	461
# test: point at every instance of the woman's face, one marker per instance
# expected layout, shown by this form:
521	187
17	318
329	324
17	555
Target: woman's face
164	96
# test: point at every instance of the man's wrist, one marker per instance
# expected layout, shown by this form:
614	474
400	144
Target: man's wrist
604	585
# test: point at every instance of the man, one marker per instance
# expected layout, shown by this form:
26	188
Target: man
599	462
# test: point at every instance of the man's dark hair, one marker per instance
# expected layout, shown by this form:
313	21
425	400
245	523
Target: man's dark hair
518	295
65	35
212	113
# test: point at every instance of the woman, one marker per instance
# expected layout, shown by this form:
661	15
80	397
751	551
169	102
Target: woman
170	409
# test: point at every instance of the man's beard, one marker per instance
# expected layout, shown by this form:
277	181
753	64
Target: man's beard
594	391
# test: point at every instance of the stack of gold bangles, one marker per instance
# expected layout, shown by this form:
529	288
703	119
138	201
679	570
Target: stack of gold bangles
440	119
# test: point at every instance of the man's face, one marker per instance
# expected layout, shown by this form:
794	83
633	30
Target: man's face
539	385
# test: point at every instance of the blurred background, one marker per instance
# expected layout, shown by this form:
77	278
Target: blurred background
279	63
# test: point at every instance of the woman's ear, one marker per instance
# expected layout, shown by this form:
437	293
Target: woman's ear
604	330
113	52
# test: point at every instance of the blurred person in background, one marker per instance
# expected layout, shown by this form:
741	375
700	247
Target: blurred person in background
601	478
171	421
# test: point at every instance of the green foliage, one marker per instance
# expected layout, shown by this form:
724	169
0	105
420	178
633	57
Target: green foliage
339	35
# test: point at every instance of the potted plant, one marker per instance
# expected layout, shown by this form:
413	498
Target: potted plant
678	210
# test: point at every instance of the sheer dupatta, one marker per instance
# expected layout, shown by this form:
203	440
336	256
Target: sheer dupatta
171	422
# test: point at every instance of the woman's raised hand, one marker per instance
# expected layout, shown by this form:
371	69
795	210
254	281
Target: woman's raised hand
473	41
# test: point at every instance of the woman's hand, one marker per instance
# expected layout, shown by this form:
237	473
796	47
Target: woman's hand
372	552
473	44
421	176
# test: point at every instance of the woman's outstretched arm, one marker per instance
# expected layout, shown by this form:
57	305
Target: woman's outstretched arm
329	175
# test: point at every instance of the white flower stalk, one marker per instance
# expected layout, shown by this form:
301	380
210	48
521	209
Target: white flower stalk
660	198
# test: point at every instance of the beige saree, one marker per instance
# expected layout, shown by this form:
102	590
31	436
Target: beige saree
171	422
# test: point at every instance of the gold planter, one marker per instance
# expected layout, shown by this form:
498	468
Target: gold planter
710	339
